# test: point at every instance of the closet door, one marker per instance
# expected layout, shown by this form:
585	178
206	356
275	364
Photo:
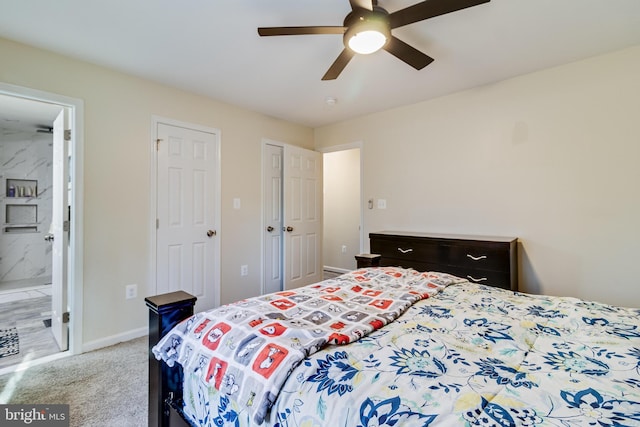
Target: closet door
273	217
187	244
302	217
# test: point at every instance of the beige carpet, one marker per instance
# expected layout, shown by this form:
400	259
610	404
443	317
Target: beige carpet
103	388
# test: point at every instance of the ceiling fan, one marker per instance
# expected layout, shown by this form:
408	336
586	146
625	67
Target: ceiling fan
367	28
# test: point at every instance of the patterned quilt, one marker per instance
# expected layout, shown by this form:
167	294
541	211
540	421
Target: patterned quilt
470	355
247	349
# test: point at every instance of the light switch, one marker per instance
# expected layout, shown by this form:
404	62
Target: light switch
236	203
382	204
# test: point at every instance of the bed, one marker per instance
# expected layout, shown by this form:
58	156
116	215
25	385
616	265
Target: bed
394	346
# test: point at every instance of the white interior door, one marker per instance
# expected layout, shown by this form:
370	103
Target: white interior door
273	244
302	217
186	239
59	229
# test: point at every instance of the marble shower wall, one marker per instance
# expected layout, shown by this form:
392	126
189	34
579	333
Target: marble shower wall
26	255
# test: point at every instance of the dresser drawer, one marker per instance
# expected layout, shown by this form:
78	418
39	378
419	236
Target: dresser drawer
407	250
498	279
480	258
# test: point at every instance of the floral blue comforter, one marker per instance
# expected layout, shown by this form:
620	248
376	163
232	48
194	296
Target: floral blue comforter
469	356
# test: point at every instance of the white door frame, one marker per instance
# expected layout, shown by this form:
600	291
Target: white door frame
350	146
155	120
76	170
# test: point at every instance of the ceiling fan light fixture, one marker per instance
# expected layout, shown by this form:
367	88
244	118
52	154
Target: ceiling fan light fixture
367	42
367	36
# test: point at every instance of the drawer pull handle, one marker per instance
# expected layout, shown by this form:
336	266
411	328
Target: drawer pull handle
405	251
473	279
477	258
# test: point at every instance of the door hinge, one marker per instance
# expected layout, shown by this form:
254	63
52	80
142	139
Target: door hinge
65	317
65	226
157	223
67	134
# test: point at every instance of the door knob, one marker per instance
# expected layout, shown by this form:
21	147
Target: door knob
211	233
289	229
269	229
48	237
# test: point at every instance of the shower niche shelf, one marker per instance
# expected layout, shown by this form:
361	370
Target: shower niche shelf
16	229
21	188
21	219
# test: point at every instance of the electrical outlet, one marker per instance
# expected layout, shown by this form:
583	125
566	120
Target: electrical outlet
131	291
382	204
244	270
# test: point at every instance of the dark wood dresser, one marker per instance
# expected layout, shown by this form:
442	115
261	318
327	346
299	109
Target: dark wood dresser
490	260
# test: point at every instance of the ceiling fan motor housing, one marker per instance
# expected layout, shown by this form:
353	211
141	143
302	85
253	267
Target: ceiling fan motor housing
367	20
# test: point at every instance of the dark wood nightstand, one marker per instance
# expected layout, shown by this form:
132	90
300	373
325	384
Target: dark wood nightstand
368	260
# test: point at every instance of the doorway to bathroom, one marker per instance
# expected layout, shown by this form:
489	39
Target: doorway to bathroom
39	212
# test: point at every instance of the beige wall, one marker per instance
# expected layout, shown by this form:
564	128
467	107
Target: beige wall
551	158
118	112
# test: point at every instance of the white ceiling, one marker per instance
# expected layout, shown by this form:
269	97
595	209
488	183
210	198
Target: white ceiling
212	47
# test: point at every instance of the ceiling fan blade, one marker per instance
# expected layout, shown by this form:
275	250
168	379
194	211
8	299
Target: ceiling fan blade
428	9
338	65
361	4
296	31
408	54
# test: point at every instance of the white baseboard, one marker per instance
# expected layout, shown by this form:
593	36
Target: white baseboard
115	339
336	269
